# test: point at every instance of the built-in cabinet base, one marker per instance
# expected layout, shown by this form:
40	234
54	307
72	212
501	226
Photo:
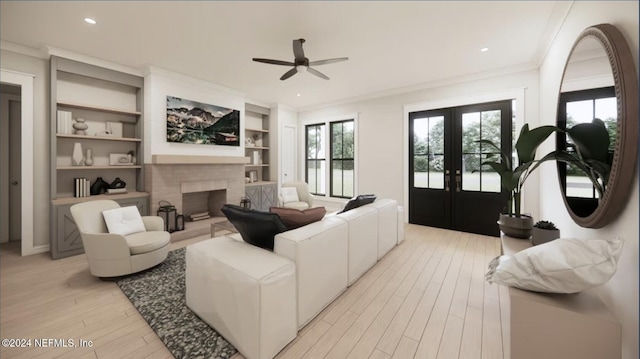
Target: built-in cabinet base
262	195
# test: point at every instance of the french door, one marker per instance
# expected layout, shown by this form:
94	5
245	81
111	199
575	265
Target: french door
447	186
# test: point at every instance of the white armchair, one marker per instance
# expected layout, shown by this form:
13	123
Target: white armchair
112	255
304	198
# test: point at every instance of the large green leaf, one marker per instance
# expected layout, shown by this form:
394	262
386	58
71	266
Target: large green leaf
591	140
505	158
529	141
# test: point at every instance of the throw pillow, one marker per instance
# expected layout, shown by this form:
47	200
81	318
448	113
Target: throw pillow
295	218
566	265
123	220
289	194
255	227
359	201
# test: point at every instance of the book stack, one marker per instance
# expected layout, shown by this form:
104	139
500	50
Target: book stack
116	190
81	187
199	216
65	122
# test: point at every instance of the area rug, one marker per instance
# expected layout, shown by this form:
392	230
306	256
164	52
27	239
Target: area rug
159	296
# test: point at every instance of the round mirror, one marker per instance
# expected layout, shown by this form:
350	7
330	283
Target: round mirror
598	106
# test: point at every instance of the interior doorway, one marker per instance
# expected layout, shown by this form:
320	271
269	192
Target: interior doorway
10	171
25	83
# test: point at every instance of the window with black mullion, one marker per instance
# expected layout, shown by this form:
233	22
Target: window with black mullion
342	159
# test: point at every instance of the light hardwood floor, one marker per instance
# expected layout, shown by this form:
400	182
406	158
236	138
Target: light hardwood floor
427	298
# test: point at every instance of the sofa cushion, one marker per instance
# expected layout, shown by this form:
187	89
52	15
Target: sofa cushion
255	227
358	201
123	220
294	218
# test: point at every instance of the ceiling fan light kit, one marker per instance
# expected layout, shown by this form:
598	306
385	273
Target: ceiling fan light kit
300	62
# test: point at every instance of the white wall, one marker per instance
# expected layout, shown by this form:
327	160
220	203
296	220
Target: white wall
621	292
41	194
160	83
381	142
280	116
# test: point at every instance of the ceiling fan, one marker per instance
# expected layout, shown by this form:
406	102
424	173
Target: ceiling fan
300	62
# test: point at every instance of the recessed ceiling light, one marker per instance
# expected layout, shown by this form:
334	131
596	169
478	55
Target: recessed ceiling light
90	20
484	49
298	95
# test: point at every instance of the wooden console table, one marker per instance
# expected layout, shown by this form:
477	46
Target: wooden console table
559	326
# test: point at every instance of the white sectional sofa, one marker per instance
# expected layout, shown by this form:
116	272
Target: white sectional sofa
328	255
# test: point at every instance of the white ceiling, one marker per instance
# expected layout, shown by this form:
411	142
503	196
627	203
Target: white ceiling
390	45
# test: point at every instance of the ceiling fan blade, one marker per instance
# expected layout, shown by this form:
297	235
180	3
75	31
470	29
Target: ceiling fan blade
289	73
298	52
274	62
328	61
317	73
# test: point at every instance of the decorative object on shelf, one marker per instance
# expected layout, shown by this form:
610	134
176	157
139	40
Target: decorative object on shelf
131	156
543	232
247	180
65	122
253	176
81	187
77	159
88	161
117	183
120	159
256	157
170	216
80	126
514	223
248	142
245	203
198	123
100	186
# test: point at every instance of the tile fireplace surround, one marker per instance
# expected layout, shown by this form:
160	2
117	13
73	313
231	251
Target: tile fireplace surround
169	181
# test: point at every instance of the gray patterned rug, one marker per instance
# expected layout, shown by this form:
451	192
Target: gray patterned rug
159	296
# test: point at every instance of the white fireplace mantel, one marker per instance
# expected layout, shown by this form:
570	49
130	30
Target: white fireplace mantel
197	160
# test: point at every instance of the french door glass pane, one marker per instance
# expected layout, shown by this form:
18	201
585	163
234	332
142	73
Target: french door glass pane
483	125
428	150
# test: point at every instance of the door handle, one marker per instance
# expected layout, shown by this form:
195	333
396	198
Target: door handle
15	183
447	177
458	180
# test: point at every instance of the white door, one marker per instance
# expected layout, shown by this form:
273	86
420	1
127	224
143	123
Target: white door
288	153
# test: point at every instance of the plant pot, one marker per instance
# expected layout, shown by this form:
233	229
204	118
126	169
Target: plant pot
539	235
517	227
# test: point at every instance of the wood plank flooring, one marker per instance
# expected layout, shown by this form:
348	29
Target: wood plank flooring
427	298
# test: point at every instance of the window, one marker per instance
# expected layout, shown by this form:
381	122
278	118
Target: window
339	137
342	161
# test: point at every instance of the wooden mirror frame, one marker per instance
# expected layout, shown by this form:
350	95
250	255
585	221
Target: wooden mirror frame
623	166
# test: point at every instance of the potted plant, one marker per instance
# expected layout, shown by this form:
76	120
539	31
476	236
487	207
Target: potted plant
543	232
513	222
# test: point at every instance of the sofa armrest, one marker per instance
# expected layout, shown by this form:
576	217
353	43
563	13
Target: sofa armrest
153	223
105	246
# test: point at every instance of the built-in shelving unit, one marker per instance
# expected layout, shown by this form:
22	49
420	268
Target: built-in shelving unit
111	104
261	190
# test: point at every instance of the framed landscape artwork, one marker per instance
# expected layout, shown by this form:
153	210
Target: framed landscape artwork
198	123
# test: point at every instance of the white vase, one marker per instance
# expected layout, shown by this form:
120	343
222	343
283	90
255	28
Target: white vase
77	159
88	161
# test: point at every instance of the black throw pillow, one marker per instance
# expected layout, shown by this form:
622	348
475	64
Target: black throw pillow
255	227
358	201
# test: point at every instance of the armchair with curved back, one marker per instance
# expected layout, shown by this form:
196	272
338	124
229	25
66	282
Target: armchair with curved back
113	255
305	198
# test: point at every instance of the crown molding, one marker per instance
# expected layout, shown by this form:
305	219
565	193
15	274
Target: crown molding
155	70
54	51
424	86
558	16
23	50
